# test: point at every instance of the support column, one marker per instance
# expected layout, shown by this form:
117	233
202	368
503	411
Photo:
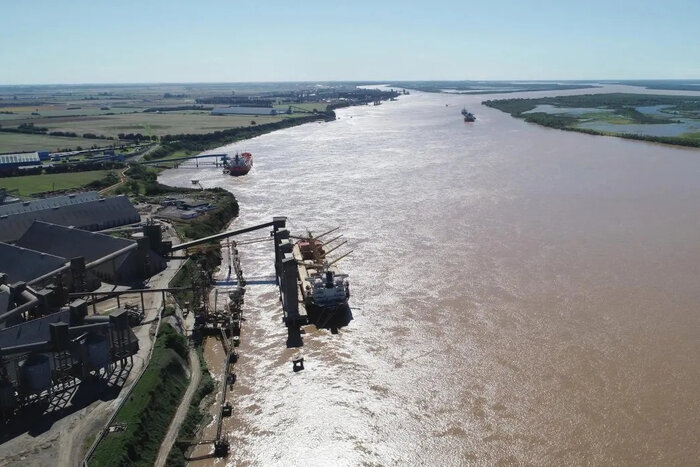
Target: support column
290	297
279	237
285	251
290	302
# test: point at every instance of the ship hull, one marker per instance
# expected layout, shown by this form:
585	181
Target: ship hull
240	165
238	171
329	317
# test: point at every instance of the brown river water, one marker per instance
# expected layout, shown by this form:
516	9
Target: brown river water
522	295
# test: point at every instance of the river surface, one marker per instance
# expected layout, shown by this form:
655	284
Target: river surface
522	295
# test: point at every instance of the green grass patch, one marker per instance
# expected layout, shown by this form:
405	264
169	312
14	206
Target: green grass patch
195	415
607	117
33	184
150	407
692	136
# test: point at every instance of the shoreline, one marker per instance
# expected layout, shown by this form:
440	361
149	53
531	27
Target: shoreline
211	371
619	105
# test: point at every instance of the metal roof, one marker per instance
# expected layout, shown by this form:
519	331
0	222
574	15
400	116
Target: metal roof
69	242
20	158
47	203
32	332
22	264
90	215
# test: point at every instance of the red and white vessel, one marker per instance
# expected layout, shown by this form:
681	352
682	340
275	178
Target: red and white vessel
237	165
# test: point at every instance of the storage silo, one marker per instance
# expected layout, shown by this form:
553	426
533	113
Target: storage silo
8	398
36	373
96	351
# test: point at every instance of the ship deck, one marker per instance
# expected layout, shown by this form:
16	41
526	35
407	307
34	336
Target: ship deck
302	272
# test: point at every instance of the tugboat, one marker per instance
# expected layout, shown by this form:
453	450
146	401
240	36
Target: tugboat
239	164
324	289
468	116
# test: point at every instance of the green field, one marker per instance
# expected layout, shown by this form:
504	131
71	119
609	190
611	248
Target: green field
33	184
158	124
23	142
149	124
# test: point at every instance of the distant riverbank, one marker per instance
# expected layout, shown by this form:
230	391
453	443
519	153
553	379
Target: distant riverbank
657	118
188	144
487	87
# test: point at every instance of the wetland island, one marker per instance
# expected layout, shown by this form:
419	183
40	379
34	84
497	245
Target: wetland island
658	118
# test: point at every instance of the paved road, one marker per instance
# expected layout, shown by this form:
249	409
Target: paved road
174	429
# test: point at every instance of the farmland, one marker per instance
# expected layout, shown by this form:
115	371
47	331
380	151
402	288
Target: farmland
158	124
19	142
33	184
64	117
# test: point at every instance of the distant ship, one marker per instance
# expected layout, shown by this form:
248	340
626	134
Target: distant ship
238	165
468	116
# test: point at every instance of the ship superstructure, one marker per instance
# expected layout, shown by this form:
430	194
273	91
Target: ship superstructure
468	116
324	290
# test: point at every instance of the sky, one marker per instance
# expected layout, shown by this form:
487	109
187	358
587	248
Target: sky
101	41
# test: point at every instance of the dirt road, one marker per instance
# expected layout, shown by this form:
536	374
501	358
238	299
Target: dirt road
174	428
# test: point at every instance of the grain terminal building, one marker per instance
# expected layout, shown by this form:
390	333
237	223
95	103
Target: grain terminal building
132	261
86	211
48	341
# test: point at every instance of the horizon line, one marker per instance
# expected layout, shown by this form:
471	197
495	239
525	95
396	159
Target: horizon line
374	81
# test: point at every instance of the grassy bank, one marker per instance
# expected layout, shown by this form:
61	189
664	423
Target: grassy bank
195	415
150	407
614	109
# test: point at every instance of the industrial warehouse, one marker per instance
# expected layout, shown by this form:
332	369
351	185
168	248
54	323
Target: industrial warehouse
50	255
12	162
86	211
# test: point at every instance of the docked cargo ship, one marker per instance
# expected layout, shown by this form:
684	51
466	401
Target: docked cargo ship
324	290
239	164
468	116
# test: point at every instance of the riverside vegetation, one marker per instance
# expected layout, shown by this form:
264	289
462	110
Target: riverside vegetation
150	407
614	110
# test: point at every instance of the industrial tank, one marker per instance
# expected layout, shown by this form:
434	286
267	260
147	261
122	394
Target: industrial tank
36	373
96	351
8	399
